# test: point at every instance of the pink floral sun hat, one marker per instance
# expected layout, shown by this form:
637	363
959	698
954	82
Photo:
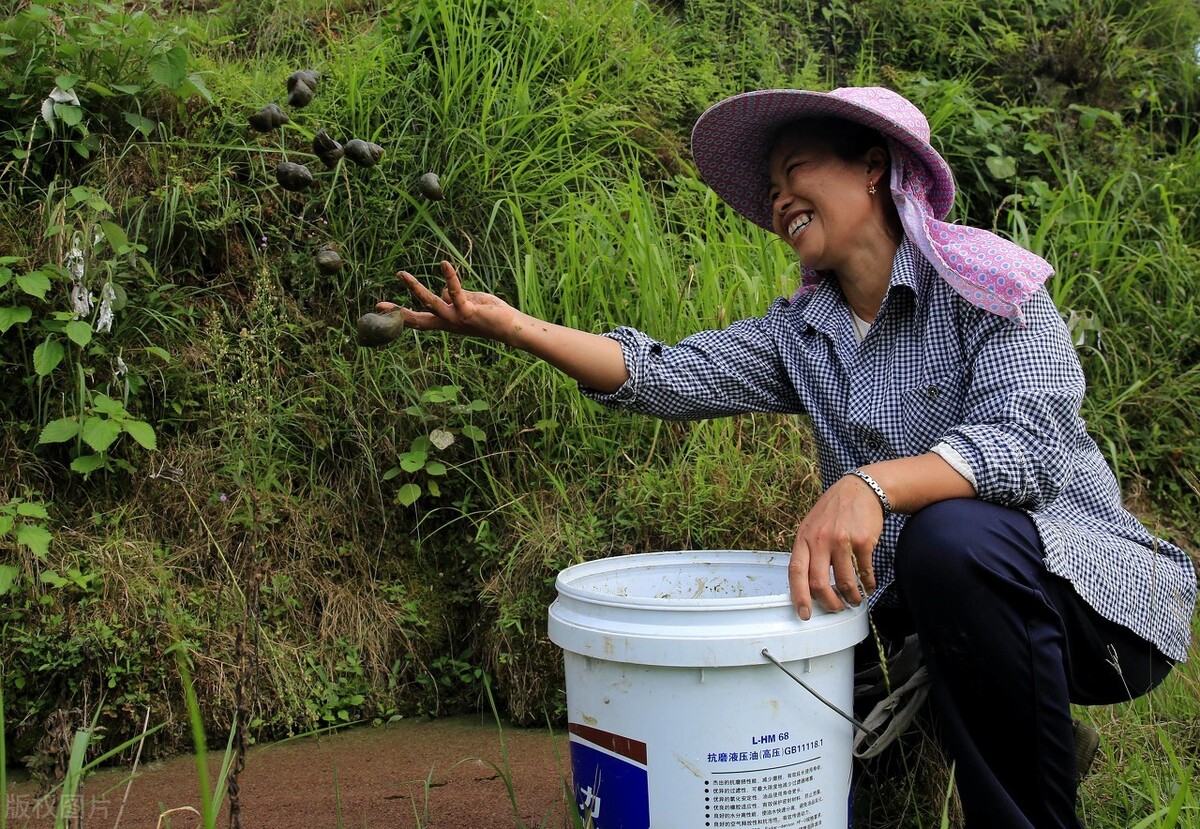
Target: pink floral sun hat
732	140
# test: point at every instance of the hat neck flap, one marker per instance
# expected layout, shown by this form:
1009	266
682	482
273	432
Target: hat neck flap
987	271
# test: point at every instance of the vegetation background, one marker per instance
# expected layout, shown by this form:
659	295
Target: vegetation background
198	459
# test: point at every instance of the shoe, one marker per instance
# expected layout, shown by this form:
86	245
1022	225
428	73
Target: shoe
1087	741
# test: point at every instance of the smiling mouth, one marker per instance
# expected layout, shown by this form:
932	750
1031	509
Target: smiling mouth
798	224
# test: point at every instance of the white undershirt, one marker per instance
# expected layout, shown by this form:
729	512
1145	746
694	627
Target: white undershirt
861	326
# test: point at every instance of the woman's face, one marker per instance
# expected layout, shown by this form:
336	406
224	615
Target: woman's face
820	204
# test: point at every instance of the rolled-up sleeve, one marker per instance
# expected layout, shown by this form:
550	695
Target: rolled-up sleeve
710	374
1020	421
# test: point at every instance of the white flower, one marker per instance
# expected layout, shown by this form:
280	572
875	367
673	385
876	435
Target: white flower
122	369
57	96
104	319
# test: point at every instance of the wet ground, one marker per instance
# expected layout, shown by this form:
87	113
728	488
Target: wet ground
445	774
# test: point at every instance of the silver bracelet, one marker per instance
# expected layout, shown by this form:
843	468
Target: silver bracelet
876	488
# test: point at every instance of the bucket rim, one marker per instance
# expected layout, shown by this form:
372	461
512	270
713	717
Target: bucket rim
669	558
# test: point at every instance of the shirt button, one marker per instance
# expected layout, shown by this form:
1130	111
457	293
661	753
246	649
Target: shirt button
933	392
875	442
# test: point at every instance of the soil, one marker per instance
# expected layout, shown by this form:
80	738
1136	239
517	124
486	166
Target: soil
442	774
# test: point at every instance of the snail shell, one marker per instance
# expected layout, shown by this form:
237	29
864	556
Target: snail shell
363	153
328	260
268	118
307	77
431	187
293	176
326	149
379	329
300	95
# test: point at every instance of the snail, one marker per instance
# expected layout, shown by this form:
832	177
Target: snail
268	118
430	187
293	176
301	85
326	149
380	329
363	153
328	260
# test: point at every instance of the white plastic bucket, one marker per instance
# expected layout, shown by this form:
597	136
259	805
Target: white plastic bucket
677	720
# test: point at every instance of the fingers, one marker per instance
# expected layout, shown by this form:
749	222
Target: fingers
866	571
845	574
798	579
422	294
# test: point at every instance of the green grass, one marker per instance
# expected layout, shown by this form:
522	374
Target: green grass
559	132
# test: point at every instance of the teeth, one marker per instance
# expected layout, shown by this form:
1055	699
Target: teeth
798	224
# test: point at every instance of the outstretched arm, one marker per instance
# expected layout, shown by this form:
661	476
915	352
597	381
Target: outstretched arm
596	362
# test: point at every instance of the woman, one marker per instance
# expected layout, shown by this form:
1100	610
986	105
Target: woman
962	490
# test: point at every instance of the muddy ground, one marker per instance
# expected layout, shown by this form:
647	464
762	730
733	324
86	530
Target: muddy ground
443	774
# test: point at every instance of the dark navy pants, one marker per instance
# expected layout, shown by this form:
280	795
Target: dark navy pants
1009	646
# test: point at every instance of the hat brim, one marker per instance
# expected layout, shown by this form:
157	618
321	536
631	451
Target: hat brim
731	143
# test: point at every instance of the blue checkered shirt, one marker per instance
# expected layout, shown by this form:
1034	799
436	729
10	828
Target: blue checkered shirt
934	369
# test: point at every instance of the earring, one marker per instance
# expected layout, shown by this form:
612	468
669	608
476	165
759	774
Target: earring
871	189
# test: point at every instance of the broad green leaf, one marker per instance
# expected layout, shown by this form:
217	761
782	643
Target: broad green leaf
106	405
390	473
35	283
10	316
87	464
65	82
434	489
435	468
127	88
8	575
142	432
52	578
58	431
479	405
408	494
36	538
117	240
196	81
140	123
6	524
160	353
413	461
168	68
31	509
70	114
78	332
47	356
99	432
473	432
1002	166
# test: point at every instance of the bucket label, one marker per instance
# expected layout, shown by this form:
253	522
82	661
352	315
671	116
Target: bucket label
612	789
786	796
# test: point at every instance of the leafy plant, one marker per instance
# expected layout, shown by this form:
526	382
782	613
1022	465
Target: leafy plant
438	406
83	69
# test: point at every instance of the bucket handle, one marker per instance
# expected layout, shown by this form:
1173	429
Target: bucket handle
860	726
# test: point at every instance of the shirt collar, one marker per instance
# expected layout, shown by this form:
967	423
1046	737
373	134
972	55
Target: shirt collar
826	306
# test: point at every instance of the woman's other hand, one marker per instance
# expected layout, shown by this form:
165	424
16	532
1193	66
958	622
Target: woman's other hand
841	530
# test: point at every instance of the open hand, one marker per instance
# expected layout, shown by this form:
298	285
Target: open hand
461	312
